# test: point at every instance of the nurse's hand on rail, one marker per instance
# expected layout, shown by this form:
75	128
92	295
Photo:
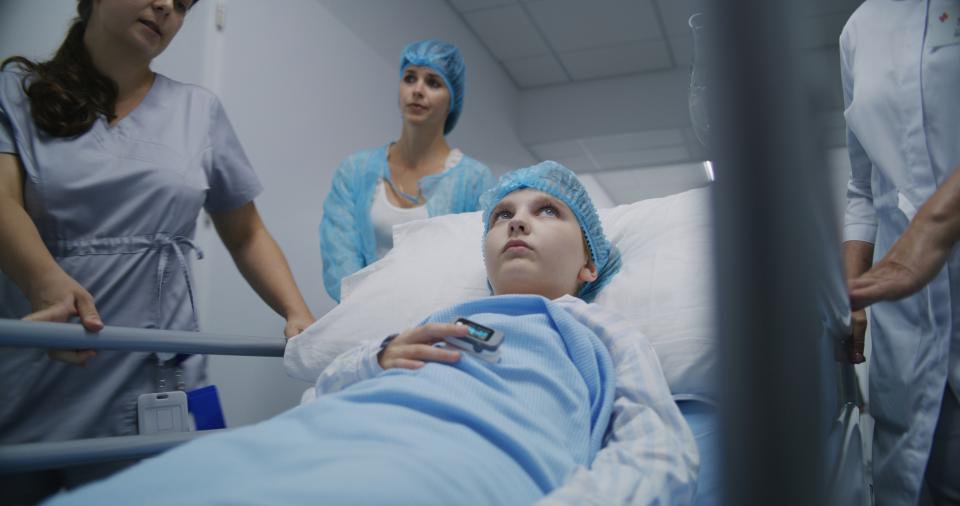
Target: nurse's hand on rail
858	323
59	289
920	252
60	313
415	347
914	260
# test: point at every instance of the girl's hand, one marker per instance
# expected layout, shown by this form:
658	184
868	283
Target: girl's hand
415	347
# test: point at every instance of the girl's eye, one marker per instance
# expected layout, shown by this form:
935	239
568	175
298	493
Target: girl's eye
502	214
181	5
409	78
549	210
433	83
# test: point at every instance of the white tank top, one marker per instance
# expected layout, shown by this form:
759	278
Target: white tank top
384	214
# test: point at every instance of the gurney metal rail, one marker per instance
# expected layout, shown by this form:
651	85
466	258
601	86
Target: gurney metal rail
31	334
52	455
37	456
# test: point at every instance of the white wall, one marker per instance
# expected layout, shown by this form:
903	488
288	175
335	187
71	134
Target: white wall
34	29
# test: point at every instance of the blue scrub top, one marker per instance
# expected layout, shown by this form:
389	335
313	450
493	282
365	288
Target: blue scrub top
117	207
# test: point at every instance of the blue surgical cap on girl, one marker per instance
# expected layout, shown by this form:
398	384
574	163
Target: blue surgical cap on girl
445	60
561	183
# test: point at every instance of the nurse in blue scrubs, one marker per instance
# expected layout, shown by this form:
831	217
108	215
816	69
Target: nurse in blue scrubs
104	168
416	177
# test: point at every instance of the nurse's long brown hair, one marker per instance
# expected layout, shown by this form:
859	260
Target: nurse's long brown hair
67	93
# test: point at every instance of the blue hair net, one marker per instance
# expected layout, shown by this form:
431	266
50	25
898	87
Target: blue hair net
558	181
445	60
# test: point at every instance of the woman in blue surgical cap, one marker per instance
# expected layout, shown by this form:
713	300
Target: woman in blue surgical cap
415	177
104	168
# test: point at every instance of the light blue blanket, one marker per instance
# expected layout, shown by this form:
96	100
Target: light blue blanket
469	433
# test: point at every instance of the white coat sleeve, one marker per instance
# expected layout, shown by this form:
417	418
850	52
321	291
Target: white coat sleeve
650	456
860	222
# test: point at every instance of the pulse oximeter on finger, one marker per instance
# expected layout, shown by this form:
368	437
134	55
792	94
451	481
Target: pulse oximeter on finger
482	342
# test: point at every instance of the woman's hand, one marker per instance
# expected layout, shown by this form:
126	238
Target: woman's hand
60	313
58	298
919	253
62	291
914	260
297	324
415	347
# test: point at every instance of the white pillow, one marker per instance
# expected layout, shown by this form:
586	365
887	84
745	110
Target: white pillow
664	285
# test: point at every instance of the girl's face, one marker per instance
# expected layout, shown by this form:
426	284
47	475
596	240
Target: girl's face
145	27
535	246
424	99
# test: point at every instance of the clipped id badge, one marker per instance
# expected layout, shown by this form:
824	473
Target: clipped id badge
482	342
166	410
162	412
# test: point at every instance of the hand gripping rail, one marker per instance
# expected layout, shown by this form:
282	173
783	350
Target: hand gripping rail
31	334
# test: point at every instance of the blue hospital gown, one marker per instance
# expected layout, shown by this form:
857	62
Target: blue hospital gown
117	207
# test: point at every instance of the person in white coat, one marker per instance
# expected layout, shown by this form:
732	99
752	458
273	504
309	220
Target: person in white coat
900	64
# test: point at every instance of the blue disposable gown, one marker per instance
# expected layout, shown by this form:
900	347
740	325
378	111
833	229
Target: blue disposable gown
901	91
347	241
117	207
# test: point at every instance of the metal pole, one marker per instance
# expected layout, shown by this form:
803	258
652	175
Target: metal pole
768	168
32	334
58	454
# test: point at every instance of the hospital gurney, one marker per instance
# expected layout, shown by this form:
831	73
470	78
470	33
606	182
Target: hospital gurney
841	395
50	455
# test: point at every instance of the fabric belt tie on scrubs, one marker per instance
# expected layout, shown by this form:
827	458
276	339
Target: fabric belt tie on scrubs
163	243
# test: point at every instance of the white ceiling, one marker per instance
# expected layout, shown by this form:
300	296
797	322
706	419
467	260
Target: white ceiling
546	42
556	44
549	42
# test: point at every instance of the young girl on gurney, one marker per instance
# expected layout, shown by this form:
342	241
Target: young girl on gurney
528	396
